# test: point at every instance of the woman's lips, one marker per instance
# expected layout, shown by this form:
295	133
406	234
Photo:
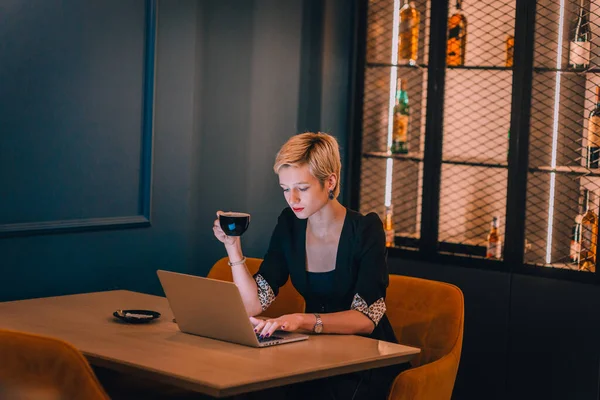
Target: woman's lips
297	209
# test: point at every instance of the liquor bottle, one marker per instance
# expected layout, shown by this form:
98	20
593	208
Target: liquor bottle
593	134
589	233
575	249
388	226
400	122
494	243
457	37
510	50
408	36
579	54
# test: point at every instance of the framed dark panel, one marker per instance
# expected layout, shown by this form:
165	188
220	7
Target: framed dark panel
68	159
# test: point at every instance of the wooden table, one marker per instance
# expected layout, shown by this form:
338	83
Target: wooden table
158	350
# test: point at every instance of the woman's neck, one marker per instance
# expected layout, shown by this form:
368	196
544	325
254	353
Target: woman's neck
326	219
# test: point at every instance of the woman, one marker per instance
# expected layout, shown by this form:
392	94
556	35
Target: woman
336	259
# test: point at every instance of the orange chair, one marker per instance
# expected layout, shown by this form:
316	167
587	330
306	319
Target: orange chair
429	315
44	368
288	300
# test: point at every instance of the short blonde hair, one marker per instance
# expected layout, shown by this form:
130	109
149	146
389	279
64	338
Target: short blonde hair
320	151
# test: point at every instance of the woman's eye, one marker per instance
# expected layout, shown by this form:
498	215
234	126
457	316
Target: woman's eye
303	189
286	190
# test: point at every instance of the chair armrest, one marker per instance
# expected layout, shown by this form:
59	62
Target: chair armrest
430	381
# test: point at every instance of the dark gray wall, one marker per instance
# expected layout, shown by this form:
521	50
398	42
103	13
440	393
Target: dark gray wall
228	76
256	56
79	262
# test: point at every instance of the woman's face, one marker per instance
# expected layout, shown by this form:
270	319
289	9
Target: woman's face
302	191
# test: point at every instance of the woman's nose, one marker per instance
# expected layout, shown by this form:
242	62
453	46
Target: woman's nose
294	198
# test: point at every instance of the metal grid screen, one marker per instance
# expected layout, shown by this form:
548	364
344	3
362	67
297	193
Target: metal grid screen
476	121
563	179
393	116
477	109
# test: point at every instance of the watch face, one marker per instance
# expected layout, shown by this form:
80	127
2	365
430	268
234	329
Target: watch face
319	328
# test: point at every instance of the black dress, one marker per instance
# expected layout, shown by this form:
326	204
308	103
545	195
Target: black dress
358	282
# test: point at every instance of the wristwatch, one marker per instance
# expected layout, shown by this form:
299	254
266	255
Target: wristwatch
318	328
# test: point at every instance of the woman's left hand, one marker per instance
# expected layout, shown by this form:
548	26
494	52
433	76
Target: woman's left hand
288	323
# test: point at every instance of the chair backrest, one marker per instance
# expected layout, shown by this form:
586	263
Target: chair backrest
288	300
44	368
426	314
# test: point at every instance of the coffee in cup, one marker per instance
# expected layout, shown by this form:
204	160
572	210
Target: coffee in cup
234	223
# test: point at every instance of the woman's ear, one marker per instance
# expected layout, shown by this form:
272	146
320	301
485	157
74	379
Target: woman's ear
332	181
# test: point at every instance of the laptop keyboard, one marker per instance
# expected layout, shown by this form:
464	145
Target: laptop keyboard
268	339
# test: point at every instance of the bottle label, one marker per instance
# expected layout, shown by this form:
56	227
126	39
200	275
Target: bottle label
575	249
580	53
494	250
406	45
454	32
593	136
586	241
400	128
455	52
405	27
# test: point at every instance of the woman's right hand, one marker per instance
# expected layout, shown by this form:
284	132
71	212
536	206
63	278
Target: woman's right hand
221	236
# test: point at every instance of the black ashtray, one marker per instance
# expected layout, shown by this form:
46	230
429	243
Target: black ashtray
136	316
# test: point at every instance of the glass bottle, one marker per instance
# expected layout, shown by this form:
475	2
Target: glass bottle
388	226
401	118
510	50
589	233
580	46
408	35
575	248
457	38
593	135
494	243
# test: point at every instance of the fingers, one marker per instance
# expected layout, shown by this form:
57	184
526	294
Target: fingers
219	234
259	325
218	231
217	227
268	327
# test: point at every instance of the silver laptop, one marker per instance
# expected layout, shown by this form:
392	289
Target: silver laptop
214	309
